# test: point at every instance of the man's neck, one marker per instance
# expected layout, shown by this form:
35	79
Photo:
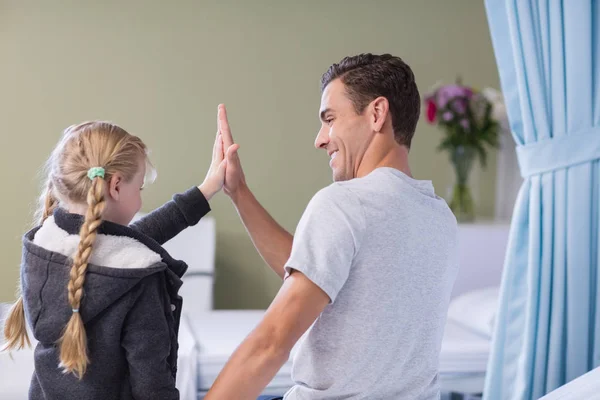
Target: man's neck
383	153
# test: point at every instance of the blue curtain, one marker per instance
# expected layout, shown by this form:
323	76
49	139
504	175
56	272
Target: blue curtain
548	324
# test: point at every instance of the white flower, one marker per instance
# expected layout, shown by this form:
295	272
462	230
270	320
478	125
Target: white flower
498	108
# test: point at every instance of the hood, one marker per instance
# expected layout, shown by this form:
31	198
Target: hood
118	262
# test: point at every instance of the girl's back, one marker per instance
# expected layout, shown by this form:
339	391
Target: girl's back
124	311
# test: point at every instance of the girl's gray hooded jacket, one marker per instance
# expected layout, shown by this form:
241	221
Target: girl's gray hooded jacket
130	306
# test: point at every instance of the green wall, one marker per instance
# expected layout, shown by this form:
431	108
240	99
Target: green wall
159	69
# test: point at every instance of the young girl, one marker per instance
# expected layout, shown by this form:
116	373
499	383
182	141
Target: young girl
99	295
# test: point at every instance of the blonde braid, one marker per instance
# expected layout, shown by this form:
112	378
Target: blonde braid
73	344
15	328
50	202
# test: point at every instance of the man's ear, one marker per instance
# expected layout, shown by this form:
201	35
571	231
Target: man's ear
379	111
114	186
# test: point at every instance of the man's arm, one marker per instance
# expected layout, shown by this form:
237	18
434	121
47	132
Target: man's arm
258	359
273	243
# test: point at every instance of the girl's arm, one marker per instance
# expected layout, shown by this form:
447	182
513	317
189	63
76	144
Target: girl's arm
185	210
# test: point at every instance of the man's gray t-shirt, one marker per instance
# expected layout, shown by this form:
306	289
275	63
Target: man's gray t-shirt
383	248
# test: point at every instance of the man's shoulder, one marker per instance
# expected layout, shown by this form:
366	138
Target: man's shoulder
338	194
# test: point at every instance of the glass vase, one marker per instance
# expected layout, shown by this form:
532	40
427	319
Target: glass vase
461	199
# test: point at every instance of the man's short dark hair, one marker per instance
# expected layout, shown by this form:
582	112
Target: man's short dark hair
368	76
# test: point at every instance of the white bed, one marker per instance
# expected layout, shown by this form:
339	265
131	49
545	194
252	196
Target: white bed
585	387
218	333
16	368
463	359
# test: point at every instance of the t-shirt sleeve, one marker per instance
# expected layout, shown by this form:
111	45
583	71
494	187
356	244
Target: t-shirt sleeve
327	239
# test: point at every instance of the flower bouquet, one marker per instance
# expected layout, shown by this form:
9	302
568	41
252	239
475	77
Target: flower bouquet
470	125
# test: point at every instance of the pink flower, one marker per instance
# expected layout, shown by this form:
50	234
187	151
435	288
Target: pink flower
448	92
465	124
460	105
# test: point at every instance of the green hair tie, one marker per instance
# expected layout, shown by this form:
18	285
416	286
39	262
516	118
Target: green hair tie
96	172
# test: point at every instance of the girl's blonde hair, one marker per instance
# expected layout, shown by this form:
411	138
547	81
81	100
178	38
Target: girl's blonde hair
83	146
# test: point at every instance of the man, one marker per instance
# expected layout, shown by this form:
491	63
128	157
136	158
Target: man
372	263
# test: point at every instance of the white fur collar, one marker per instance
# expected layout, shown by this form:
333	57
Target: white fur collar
108	250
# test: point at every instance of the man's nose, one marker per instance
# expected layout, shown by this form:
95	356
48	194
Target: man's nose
322	139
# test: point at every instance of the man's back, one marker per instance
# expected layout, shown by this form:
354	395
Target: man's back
383	249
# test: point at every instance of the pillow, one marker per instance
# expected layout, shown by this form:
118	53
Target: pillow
476	310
